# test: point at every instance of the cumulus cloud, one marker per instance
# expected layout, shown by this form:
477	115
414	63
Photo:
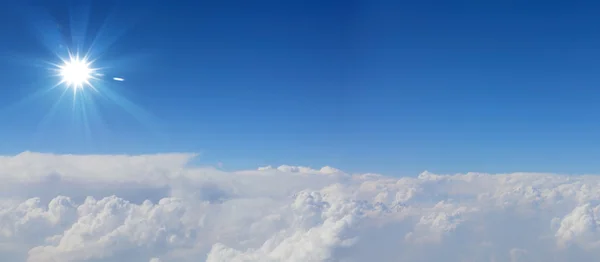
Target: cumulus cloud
158	208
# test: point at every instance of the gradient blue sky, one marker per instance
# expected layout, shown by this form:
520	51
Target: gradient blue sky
396	87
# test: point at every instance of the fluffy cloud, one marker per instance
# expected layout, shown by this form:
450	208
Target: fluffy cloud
157	208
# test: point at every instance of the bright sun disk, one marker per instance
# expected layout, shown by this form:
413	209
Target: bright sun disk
76	73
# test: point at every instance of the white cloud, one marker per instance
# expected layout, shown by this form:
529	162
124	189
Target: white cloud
156	208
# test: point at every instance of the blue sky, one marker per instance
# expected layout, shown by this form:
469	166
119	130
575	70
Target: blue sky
395	87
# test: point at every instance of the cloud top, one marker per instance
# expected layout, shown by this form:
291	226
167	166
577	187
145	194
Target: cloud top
158	208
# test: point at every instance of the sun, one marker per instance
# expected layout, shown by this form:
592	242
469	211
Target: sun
76	72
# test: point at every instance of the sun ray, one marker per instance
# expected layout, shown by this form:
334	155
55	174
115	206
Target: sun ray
47	118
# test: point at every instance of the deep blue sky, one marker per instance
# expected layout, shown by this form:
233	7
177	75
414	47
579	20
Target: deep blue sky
395	87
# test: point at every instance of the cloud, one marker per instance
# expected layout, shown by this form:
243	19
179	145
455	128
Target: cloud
158	208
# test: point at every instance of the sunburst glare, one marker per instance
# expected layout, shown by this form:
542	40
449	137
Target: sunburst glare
85	78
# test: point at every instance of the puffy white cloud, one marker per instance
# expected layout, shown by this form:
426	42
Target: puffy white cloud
157	208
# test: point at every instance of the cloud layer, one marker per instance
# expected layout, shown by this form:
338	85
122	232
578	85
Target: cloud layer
156	208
